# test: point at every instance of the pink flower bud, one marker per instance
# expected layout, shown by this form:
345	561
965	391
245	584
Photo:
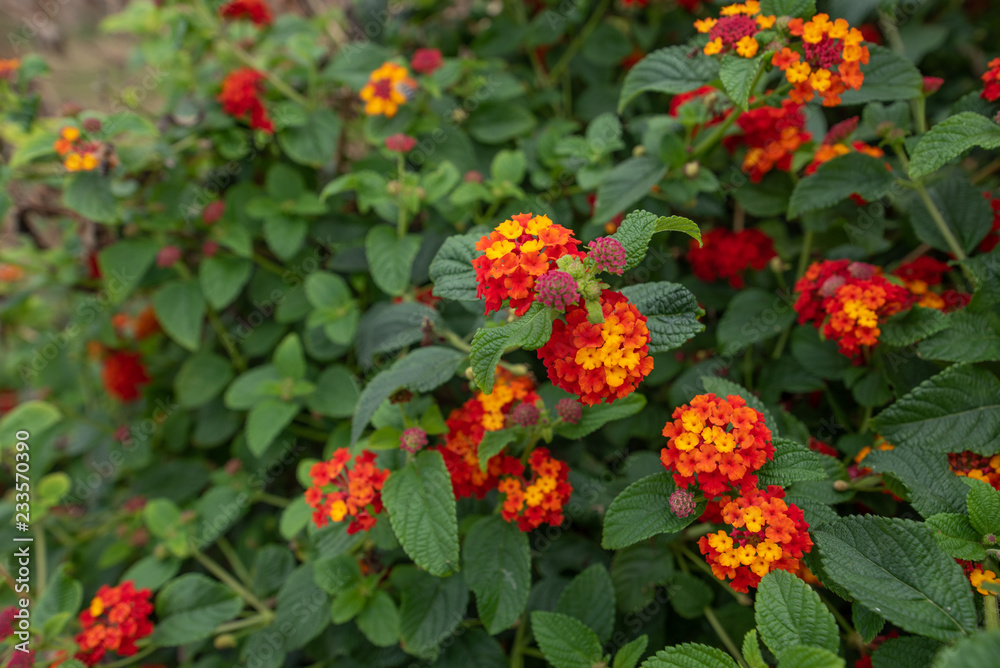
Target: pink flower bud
413	439
569	410
608	254
557	289
167	256
682	503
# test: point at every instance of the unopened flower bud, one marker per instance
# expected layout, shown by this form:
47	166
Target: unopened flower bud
682	503
524	415
225	641
167	256
413	439
841	485
608	255
691	169
569	410
213	212
556	289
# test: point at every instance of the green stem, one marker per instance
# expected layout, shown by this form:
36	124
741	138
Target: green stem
306	432
227	579
720	631
938	218
234	560
580	39
837	410
520	644
866	416
531	651
992	621
265	263
228	627
709	142
272	499
128	661
779	347
402	223
226	339
807	242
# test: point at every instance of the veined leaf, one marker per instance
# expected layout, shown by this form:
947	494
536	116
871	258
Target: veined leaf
642	510
951	138
668	70
532	330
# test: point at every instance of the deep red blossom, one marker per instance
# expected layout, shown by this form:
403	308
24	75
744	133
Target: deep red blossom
116	618
426	61
124	375
257	11
771	135
241	95
991	81
726	255
400	143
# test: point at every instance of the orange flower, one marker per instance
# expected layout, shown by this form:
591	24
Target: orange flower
604	361
68	137
717	444
767	534
339	493
978	577
11	273
537	499
387	89
515	254
468	424
735	29
969	464
116	618
830	62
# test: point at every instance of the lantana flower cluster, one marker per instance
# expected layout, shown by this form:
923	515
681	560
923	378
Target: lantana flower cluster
771	135
77	153
735	29
124	374
388	88
969	464
830	62
256	11
727	255
991	81
538	498
116	618
923	274
848	301
766	534
339	493
242	98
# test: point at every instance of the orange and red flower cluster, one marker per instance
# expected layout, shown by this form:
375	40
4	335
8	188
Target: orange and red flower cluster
771	135
979	467
515	254
387	89
599	362
241	94
139	327
116	619
767	534
991	81
727	255
848	300
256	11
469	423
78	155
339	493
539	498
735	29
830	62
124	375
716	444
921	275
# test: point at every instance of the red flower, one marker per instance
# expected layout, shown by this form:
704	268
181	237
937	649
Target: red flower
213	211
727	255
515	254
931	85
599	362
767	534
254	10
117	617
718	443
400	143
426	61
339	493
539	498
124	375
991	81
771	135
241	98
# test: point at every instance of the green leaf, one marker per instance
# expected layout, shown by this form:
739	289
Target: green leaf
494	442
452	272
161	516
190	607
912	325
596	416
627	183
473	647
123	266
336	309
89	194
222	278
509	166
984	507
201	378
905	652
294	518
642	510
752	315
33	416
499	122
250	387
422	370
804	9
590	598
439	182
951	138
789	612
985	270
969	337
837	180
689	595
497	564
313	143
289	359
868	623
628	656
284	235
931	485
966	212
336	393
379	620
530	331
751	651
565	641
671	313
430	610
637	571
792	462
638	228
957	537
809	657
980	651
738	74
888	76
421	508
390	258
387	327
266	420
63	595
896	568
180	308
667	70
956	410
152	573
690	655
